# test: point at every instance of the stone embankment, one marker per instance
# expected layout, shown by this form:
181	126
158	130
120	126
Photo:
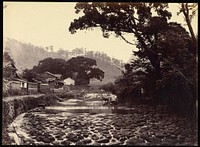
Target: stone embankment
15	105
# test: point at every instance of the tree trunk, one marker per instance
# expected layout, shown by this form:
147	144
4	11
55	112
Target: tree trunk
188	21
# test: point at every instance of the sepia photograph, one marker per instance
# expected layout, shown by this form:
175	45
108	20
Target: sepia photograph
100	74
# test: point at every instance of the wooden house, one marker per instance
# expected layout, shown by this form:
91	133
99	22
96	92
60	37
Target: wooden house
68	83
54	80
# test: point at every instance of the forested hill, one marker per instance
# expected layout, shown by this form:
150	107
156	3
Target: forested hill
27	55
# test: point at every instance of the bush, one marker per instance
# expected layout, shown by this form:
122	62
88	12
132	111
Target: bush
13	92
177	95
109	87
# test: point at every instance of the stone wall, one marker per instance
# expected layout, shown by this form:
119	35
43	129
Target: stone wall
13	106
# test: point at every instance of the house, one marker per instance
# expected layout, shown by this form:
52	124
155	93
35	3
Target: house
9	70
23	83
54	80
51	77
68	81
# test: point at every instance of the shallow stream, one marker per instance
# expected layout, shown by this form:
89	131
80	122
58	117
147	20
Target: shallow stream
90	120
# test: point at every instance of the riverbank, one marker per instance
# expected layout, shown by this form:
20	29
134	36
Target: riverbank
15	105
143	125
82	118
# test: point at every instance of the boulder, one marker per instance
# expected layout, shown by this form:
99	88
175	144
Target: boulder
134	141
103	140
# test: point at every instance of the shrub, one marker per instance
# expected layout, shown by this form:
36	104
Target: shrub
109	87
65	94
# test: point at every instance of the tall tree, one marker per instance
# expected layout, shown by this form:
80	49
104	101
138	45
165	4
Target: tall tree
51	48
85	69
30	75
166	45
189	11
9	68
55	66
61	52
122	18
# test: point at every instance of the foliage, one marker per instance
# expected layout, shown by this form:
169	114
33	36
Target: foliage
55	66
12	92
133	18
109	87
79	68
165	50
85	70
30	75
189	11
9	69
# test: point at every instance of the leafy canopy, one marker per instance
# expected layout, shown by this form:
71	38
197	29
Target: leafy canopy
81	69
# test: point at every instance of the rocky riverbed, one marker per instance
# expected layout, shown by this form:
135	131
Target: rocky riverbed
139	125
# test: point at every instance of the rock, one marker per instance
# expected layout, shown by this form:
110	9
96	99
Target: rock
144	135
65	142
134	141
113	140
132	126
80	137
108	136
159	135
95	137
154	140
99	128
122	138
116	136
79	143
142	144
181	138
172	136
86	141
56	143
59	137
168	142
144	128
85	135
105	132
187	144
51	138
103	140
46	140
72	137
96	144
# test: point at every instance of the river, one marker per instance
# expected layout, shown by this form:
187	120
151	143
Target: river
92	120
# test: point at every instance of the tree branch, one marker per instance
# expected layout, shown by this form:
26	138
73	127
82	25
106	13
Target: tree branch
126	40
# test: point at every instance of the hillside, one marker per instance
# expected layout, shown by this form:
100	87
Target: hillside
27	55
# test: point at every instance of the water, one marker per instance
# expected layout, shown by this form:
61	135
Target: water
80	106
88	104
90	120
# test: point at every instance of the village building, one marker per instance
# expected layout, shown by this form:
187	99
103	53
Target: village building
69	81
54	81
68	84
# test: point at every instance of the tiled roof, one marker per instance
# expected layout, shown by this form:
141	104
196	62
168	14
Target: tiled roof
55	75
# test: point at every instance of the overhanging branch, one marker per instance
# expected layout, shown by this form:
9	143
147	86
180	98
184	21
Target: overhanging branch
127	40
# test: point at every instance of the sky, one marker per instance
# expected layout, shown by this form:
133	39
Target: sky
46	23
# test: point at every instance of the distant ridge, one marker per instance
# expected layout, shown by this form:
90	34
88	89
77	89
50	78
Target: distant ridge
27	55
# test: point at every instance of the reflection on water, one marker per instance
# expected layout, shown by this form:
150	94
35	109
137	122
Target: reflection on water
80	106
79	109
86	106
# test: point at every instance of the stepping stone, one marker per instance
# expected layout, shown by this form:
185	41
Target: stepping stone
134	141
103	140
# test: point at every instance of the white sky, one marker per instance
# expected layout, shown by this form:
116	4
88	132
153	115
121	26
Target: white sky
47	23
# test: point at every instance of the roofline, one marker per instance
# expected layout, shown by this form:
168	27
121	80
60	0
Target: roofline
55	75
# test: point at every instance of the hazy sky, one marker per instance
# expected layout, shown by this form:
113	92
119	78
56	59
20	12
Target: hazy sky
47	23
